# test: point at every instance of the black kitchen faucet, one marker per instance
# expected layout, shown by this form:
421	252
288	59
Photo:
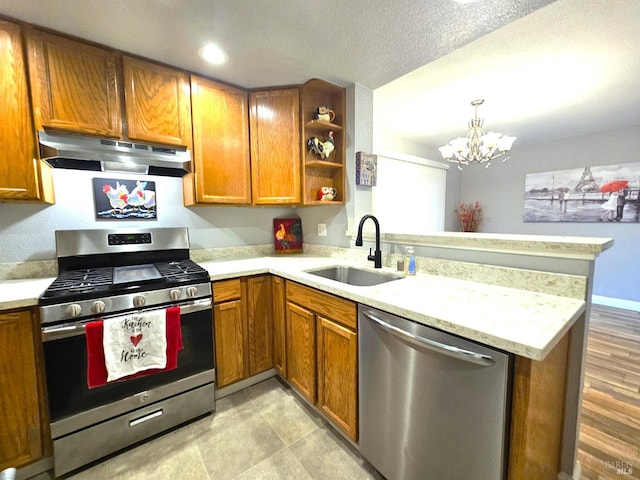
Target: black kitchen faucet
376	258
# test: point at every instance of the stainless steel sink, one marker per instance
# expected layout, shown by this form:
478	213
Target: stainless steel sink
355	276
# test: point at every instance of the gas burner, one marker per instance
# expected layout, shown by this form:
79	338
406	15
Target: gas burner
181	270
77	281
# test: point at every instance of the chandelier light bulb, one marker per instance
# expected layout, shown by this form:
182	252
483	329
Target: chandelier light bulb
478	146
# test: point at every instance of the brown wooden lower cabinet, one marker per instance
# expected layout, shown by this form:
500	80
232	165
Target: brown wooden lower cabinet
337	374
321	351
301	350
279	326
230	331
260	323
537	414
24	427
243	328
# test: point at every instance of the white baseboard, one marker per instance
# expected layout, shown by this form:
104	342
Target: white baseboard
616	302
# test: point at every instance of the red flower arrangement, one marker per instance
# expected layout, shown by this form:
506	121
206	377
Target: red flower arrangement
469	215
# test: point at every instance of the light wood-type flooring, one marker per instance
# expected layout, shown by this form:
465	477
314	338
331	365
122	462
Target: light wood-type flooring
610	424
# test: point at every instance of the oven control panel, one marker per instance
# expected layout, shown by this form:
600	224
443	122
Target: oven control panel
128	238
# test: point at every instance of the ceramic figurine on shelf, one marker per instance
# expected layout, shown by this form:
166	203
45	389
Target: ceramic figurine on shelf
326	194
325	114
323	149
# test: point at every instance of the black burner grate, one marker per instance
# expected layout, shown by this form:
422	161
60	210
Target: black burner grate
181	270
79	281
83	284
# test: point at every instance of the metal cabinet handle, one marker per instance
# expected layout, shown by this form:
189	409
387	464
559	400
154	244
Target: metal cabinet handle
466	355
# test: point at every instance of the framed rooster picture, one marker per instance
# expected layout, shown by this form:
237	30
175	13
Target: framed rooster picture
287	235
124	199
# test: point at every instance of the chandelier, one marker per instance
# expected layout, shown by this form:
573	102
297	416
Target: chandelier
477	146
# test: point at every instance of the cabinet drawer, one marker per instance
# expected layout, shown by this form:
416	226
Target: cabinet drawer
227	290
336	308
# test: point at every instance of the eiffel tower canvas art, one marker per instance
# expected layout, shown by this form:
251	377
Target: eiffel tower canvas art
603	193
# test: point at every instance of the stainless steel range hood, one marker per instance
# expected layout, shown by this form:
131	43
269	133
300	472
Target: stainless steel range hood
108	155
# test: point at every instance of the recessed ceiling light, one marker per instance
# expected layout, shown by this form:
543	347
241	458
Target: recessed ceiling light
213	54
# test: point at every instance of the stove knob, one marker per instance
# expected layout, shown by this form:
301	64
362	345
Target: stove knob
139	301
73	310
192	291
98	306
175	294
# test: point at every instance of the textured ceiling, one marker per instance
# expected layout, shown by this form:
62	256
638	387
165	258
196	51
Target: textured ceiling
570	68
276	42
468	51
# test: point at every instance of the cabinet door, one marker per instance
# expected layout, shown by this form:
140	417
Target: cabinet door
301	350
275	146
74	86
230	341
21	435
279	327
337	374
221	173
260	318
22	176
157	103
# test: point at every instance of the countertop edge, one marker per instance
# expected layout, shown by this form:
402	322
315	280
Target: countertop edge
382	297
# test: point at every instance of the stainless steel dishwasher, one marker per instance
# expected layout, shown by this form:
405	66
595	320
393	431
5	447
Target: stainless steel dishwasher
432	405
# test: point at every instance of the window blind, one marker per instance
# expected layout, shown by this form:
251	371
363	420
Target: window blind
409	196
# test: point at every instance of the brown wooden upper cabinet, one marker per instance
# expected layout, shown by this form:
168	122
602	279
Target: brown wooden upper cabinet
73	86
221	164
23	178
274	117
157	103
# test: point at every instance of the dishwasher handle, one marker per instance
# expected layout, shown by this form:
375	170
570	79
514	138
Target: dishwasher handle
466	355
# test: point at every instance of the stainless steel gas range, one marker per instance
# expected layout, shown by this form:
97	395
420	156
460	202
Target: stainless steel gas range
108	274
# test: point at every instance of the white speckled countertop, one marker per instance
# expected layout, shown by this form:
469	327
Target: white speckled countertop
522	322
526	323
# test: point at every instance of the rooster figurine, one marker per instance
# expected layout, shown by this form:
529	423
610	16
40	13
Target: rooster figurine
323	149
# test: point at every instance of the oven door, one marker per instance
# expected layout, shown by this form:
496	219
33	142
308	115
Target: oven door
73	405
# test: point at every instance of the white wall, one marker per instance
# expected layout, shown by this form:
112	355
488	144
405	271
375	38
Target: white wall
500	189
27	231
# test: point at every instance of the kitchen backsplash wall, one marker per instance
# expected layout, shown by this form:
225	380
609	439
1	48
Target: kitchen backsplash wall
27	231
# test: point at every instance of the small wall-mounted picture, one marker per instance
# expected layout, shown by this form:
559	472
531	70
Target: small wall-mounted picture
366	169
287	235
124	199
606	193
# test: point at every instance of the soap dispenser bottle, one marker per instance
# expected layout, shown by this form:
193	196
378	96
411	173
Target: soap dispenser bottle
411	262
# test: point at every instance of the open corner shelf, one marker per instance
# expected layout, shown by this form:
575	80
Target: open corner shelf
323	172
323	163
319	125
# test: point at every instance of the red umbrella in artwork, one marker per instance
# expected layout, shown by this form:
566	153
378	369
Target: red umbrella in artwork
614	186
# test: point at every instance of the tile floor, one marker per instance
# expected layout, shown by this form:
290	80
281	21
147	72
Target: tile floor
262	432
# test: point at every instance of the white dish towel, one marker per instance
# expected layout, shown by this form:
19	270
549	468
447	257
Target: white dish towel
135	342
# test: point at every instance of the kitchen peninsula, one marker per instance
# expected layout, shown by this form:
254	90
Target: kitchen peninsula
529	296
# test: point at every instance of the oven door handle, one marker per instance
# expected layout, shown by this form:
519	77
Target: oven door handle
67	330
62	331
